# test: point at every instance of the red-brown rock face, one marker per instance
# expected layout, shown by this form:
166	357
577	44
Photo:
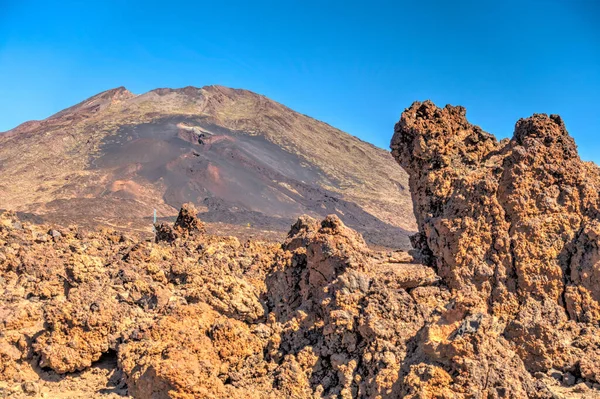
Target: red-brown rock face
200	316
506	306
512	227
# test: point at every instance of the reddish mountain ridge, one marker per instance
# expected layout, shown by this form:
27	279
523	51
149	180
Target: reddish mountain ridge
250	165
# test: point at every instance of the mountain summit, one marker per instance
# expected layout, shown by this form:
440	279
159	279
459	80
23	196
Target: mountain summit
250	164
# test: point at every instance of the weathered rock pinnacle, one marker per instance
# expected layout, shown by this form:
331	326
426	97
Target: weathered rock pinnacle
512	229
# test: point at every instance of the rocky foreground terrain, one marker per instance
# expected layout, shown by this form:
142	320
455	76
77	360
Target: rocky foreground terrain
250	164
499	300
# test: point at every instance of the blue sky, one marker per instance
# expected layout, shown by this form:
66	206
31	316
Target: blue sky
353	64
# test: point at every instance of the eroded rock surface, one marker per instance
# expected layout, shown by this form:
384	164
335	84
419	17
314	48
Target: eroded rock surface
500	299
195	315
511	228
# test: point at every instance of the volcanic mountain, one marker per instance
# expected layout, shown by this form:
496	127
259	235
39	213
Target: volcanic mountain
251	166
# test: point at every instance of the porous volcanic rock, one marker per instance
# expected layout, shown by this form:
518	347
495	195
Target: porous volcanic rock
500	299
187	223
187	220
512	229
198	316
346	315
337	323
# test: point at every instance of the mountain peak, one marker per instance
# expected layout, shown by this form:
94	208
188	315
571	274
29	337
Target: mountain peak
198	91
97	102
238	156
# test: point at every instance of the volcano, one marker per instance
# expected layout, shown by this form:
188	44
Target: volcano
249	164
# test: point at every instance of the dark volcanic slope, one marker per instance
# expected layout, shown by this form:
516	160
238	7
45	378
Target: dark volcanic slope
242	158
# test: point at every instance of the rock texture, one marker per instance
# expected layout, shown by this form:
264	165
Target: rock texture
511	228
500	299
249	164
201	316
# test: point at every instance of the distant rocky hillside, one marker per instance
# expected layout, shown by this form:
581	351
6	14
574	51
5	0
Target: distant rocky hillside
250	165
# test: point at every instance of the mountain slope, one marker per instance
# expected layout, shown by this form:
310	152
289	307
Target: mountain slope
242	158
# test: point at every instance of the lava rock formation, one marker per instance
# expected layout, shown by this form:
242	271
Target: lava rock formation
500	299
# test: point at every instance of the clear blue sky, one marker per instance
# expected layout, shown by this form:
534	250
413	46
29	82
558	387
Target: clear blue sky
353	64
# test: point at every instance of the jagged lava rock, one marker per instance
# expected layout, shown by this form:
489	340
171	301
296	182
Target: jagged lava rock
506	302
512	228
204	316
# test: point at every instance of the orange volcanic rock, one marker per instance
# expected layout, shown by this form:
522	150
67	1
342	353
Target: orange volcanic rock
499	301
187	220
512	228
206	316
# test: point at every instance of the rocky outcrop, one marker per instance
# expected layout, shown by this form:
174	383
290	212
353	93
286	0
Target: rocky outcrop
500	299
350	312
337	322
205	316
70	298
187	223
511	228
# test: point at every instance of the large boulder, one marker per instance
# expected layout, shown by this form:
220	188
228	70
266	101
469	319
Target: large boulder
511	227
